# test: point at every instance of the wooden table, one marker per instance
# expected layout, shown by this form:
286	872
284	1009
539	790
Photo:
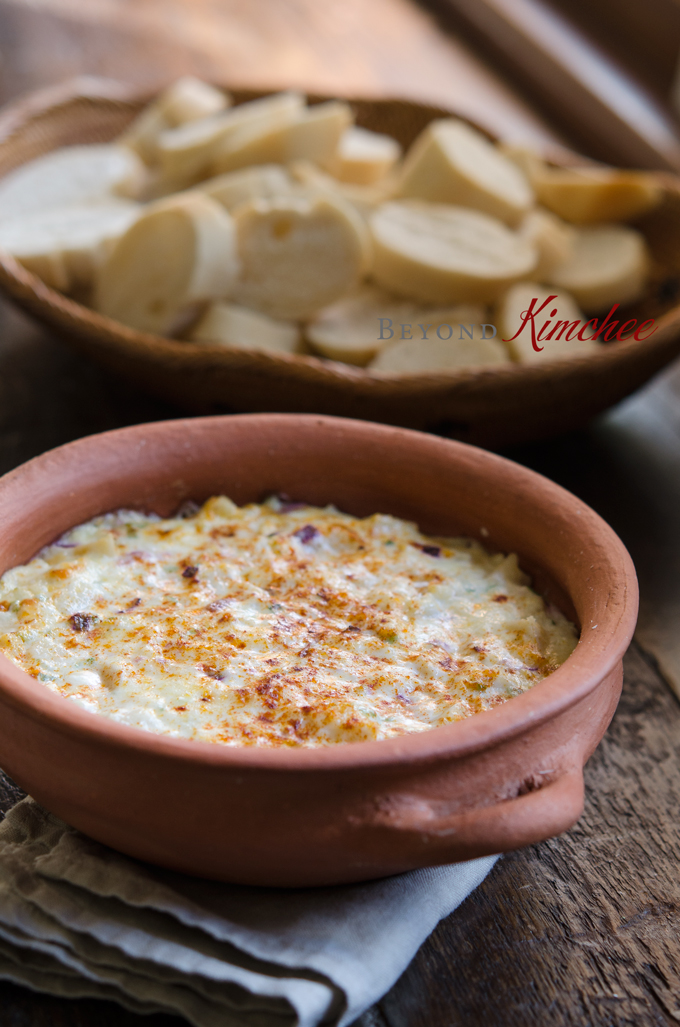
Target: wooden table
584	929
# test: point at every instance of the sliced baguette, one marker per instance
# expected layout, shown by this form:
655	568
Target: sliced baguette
180	253
363	198
228	324
72	174
416	356
363	157
350	330
190	98
357	328
450	162
527	160
186	153
609	264
261	182
312	134
553	239
585	196
438	253
65	245
298	254
187	99
562	316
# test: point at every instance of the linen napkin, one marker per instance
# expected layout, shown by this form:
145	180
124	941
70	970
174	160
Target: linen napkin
80	920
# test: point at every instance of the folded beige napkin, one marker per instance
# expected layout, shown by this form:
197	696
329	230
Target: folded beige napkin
77	919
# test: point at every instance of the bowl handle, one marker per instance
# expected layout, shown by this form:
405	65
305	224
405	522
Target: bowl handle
511	824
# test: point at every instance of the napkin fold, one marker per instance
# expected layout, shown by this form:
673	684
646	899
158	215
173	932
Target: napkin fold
80	920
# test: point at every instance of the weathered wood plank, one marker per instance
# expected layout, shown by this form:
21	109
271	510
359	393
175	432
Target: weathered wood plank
385	48
575	83
627	466
583	929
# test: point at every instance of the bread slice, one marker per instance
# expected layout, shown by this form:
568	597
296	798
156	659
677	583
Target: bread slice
363	157
187	99
65	245
563	318
450	162
589	194
298	254
364	198
180	253
416	356
609	264
527	160
460	322
438	253
552	238
585	196
357	328
72	174
190	98
261	182
185	154
228	324
312	134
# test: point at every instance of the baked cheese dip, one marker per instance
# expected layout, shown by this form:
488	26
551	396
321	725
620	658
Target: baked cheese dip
277	624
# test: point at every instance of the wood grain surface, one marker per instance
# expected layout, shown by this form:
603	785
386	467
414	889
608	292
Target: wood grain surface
350	47
582	930
577	84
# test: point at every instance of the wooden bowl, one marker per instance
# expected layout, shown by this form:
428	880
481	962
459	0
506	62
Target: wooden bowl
487	406
353	811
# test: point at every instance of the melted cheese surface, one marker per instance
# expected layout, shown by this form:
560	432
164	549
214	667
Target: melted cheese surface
277	624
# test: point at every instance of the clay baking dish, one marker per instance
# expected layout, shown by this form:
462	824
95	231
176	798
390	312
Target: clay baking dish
353	811
490	406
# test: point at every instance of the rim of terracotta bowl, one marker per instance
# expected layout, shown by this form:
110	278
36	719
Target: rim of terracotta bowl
599	649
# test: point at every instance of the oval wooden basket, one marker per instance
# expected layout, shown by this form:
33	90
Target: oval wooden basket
485	406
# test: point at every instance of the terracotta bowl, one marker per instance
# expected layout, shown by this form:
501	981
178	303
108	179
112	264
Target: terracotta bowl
353	811
486	406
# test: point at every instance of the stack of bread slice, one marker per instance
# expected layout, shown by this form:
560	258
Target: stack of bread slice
279	226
